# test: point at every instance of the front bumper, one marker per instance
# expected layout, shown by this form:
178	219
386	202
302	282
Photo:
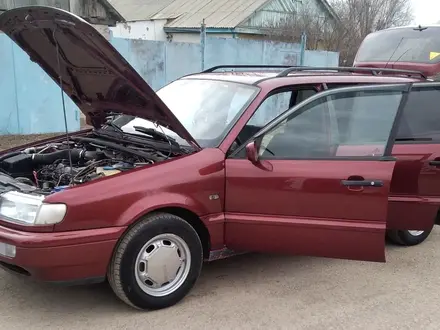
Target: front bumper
76	256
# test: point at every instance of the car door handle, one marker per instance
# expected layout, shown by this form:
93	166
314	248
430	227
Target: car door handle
362	183
434	163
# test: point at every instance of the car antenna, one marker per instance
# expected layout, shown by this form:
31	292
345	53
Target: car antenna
62	100
420	28
395	50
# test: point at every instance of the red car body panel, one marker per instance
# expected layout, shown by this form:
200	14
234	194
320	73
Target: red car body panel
102	211
62	257
429	70
279	194
186	183
415	189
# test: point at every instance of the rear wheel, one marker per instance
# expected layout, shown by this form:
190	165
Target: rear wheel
408	237
156	263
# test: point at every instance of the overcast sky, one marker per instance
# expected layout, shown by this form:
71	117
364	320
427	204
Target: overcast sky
426	11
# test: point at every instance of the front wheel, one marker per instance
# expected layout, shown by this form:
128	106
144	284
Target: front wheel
156	263
408	237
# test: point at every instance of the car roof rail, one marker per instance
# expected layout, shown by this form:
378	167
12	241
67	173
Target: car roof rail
373	71
246	66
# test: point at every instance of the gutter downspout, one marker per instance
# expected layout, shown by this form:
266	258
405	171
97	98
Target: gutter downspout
303	48
202	44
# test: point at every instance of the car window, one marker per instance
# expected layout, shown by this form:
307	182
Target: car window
365	120
304	94
271	107
351	113
421	116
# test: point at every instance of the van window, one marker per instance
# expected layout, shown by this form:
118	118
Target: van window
421	116
401	45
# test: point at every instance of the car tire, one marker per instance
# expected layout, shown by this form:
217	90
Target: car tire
137	272
408	237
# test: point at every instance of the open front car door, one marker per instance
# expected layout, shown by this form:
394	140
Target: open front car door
306	186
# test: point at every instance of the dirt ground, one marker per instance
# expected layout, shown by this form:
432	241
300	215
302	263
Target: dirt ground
9	141
254	291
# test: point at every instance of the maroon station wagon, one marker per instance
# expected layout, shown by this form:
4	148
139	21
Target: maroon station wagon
406	47
281	160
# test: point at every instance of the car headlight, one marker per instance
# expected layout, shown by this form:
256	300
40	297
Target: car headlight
29	209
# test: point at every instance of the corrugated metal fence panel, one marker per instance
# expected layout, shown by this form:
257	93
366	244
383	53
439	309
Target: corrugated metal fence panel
281	53
321	58
146	57
161	62
232	51
9	122
149	61
39	101
33	100
181	59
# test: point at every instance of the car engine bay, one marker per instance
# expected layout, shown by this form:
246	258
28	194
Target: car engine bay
52	167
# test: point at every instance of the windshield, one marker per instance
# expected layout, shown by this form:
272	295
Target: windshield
401	45
207	108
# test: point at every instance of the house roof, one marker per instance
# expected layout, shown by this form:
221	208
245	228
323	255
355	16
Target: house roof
217	13
190	13
111	12
116	15
139	10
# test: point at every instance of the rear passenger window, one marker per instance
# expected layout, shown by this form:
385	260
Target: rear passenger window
352	114
421	116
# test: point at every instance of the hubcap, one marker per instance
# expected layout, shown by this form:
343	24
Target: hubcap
162	265
415	232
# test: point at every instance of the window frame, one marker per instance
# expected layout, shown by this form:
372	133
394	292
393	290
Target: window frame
405	88
418	85
318	87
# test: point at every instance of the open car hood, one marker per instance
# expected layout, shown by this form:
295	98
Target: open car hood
94	75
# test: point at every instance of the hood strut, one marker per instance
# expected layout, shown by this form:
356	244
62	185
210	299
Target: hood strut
57	48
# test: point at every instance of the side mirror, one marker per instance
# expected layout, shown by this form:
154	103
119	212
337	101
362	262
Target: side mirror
252	152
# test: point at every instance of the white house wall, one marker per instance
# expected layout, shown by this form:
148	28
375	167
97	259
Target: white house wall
279	10
103	29
195	37
144	30
153	30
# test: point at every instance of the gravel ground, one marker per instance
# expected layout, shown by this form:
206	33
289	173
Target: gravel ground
9	141
253	291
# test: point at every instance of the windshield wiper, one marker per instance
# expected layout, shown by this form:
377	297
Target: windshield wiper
413	139
114	126
156	134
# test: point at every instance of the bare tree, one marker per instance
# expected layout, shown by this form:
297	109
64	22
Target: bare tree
354	20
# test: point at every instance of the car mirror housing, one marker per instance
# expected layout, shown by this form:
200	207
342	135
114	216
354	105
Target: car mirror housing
252	152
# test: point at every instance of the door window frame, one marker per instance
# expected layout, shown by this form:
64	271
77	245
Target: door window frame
405	88
293	89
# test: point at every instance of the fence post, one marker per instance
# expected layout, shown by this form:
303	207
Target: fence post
202	43
303	48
